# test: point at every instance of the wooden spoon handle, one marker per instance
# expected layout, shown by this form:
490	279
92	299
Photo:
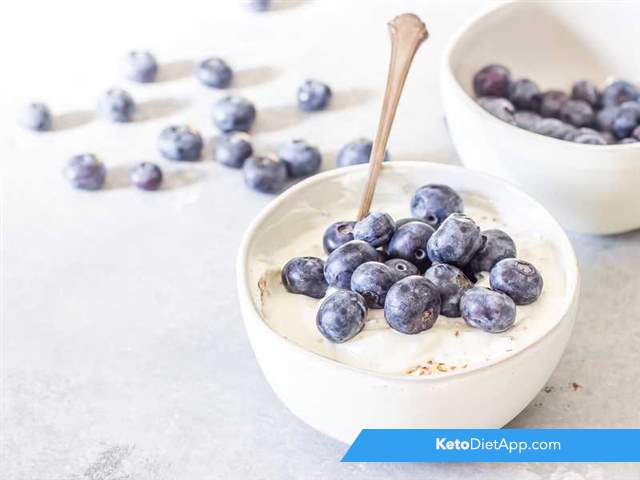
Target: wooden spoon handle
407	33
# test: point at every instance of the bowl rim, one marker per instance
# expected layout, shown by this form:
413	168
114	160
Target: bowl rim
252	314
449	77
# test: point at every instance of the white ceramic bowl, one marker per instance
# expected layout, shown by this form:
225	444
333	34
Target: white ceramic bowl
590	189
340	400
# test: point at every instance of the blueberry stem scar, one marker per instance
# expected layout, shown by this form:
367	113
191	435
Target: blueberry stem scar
407	33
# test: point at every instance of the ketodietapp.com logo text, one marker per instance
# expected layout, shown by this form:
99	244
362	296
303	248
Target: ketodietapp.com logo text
502	444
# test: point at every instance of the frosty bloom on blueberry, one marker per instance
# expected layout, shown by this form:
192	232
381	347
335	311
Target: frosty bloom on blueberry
214	72
35	116
412	305
488	310
85	172
451	284
181	143
455	241
232	149
518	279
373	280
301	158
116	105
313	95
141	66
433	203
305	275
146	176
337	234
341	316
344	260
233	114
356	152
492	81
409	242
376	229
266	174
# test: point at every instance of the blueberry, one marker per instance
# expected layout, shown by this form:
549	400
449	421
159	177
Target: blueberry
587	92
180	142
410	243
455	241
492	81
356	152
525	94
337	234
433	203
577	113
552	127
373	280
404	221
35	116
488	310
214	72
141	66
496	245
301	158
266	174
116	105
258	5
402	268
451	283
313	95
636	133
498	107
341	316
146	176
624	122
518	279
233	113
305	275
617	93
85	172
376	229
552	102
628	140
412	305
605	117
343	261
608	137
590	139
233	149
527	120
571	135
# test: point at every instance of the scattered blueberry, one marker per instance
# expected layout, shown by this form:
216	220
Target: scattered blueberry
258	5
409	242
35	116
525	94
618	92
356	152
518	279
85	172
116	105
180	142
376	229
233	149
527	120
141	66
233	113
498	107
577	113
492	81
488	310
305	275
433	203
412	305
146	176
343	261
266	174
402	268
587	92
455	241
552	127
451	283
552	102
301	158
373	280
313	95
496	245
214	72
341	316
337	234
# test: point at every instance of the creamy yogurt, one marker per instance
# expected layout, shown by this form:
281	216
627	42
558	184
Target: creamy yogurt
451	345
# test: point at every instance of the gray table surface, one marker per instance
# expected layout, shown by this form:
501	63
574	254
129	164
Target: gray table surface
123	350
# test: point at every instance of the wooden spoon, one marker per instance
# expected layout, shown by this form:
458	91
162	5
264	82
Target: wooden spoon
407	34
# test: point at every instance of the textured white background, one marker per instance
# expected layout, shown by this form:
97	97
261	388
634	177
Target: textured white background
123	351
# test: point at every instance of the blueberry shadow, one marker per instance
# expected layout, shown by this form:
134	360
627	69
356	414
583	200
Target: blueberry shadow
278	5
159	108
350	98
272	119
176	70
117	177
181	178
67	121
249	77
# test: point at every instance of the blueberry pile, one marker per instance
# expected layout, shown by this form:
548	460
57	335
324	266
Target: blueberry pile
584	115
233	115
415	269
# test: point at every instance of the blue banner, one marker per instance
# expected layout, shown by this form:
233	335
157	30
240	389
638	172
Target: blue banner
496	445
